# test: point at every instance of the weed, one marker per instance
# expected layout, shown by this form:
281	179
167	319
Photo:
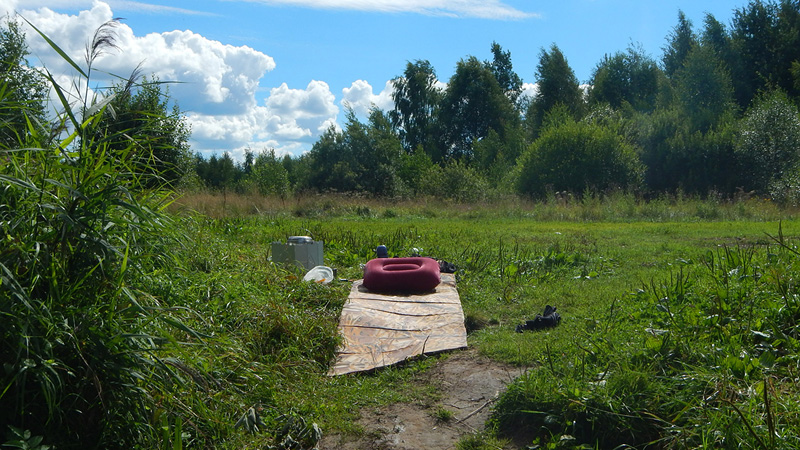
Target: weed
443	415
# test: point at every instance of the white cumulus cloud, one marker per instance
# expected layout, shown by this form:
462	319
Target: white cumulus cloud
296	112
216	84
360	97
212	76
530	89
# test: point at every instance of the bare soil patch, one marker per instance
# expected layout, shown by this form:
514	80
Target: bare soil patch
469	385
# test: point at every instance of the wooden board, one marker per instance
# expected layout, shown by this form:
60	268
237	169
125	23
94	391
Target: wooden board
382	329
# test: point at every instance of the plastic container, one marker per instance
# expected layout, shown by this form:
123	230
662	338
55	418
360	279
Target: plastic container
299	251
319	274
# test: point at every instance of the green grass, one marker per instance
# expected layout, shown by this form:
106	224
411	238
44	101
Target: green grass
278	333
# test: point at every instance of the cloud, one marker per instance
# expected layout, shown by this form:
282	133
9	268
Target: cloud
297	113
8	6
361	99
213	77
216	85
289	121
530	89
483	9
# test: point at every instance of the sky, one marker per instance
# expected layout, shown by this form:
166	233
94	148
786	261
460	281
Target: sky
275	74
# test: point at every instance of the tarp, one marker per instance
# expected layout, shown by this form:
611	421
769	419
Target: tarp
383	329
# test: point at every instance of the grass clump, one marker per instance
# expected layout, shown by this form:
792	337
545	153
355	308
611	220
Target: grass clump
443	415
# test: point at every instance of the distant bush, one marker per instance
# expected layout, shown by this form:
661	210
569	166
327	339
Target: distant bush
577	157
455	181
768	144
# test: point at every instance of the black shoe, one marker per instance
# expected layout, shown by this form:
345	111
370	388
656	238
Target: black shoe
549	319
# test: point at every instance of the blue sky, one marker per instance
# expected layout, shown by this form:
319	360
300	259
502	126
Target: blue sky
264	74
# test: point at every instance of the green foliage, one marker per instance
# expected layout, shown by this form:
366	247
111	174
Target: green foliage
473	105
629	78
455	181
577	157
274	334
23	90
768	142
715	37
24	440
681	41
698	360
139	114
92	344
680	159
764	36
683	118
557	84
412	167
416	104
218	172
267	175
361	158
98	297
377	149
78	337
496	156
443	415
504	73
295	434
703	89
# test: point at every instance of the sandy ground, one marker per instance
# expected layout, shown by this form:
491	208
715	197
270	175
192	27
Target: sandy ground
469	385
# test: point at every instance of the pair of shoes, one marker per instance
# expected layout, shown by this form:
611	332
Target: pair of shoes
549	319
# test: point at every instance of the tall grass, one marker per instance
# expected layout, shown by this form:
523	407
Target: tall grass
79	342
615	206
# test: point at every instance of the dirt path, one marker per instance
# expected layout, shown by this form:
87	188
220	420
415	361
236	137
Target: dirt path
469	385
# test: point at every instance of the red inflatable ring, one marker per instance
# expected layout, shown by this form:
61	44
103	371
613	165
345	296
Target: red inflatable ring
401	274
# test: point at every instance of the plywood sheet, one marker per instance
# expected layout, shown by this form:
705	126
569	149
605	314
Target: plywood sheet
381	329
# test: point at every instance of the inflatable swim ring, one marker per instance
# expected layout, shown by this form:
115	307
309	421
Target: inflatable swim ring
401	274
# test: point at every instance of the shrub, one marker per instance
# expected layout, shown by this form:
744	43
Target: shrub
455	181
577	157
768	141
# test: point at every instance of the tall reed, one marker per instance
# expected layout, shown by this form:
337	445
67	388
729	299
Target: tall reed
77	341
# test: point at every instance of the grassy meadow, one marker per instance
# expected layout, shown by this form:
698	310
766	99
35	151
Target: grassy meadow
679	318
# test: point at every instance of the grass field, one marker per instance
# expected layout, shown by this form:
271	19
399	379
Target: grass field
679	324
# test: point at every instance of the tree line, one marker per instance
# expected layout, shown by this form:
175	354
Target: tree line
717	113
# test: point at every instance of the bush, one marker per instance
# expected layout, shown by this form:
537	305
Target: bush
578	157
769	141
455	181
